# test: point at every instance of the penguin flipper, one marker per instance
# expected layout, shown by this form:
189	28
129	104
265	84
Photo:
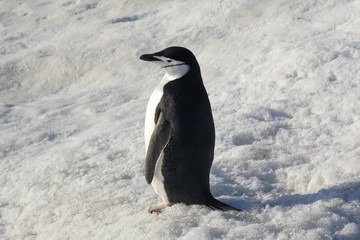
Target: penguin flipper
158	141
216	204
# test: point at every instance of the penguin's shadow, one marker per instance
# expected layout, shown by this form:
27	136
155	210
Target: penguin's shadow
348	192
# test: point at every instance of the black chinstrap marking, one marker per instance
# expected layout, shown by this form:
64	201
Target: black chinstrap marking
174	65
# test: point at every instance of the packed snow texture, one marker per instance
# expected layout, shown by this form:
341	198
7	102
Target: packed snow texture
283	80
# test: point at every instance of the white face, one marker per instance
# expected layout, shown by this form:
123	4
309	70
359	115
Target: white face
174	69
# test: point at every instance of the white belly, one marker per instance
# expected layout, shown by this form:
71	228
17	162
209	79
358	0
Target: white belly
158	179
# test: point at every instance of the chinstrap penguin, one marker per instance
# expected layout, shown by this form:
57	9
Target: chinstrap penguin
180	133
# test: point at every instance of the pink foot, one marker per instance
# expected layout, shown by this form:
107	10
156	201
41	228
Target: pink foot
158	208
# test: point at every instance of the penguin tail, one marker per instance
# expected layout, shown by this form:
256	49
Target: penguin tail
217	205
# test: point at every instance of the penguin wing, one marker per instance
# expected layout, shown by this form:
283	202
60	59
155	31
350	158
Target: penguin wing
158	141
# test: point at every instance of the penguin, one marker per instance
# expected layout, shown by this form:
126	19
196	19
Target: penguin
180	133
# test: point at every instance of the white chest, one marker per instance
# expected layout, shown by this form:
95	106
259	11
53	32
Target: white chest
155	99
150	111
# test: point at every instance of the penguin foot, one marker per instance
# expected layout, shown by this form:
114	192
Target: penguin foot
158	208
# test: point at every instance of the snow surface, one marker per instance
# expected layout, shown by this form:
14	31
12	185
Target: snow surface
283	80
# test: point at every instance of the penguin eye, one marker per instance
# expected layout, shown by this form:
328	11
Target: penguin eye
169	60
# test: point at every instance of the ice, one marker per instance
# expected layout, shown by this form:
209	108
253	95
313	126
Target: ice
283	81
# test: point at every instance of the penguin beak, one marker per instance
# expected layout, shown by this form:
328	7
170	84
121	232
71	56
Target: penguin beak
149	57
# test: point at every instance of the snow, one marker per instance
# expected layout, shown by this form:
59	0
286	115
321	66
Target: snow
282	78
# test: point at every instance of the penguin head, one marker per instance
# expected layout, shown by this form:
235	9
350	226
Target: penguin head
177	61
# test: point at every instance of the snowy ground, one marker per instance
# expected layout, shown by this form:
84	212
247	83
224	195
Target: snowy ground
283	81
